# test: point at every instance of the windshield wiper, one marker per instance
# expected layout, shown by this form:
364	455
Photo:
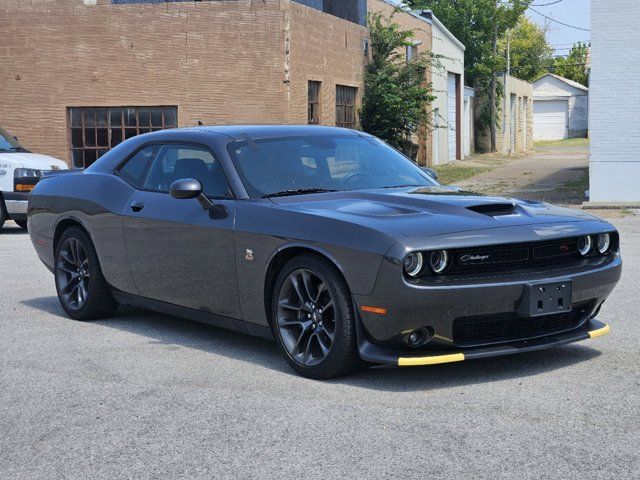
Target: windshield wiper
298	191
405	186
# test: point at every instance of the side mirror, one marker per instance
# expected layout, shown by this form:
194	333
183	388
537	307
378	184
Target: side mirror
188	188
185	189
431	172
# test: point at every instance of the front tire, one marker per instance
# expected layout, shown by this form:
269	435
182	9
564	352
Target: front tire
313	318
82	289
3	212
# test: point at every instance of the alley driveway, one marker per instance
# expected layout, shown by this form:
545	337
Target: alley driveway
144	395
551	174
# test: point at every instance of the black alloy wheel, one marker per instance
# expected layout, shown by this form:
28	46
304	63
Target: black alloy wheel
82	290
73	274
313	318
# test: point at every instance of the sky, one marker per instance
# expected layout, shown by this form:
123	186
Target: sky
572	12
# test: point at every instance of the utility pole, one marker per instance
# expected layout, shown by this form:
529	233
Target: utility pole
493	92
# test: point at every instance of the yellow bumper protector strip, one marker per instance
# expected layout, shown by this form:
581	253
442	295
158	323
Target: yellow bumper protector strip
433	360
600	332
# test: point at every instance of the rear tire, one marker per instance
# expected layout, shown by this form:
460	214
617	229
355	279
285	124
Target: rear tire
22	224
313	318
82	290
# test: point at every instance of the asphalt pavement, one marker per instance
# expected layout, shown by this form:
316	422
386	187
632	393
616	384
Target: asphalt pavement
144	395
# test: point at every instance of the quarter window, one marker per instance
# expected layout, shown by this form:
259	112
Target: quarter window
346	106
94	131
135	169
176	162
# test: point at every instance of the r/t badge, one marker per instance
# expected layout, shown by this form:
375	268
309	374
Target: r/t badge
248	256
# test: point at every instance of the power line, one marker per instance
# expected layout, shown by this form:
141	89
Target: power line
546	4
558	21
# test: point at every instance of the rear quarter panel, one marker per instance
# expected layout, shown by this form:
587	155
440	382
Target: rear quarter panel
94	200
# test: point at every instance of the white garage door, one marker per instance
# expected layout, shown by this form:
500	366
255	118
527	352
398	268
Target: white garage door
550	119
452	106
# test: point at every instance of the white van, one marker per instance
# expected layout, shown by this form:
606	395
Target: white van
20	170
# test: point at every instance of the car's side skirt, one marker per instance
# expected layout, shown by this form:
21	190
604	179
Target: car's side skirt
194	315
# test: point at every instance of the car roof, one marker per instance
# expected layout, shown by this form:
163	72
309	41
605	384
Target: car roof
240	132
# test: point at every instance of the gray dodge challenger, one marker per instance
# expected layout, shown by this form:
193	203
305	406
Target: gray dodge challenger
325	239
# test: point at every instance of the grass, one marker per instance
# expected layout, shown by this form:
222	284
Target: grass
448	174
567	142
579	185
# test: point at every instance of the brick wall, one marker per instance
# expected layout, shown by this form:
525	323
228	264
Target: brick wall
242	61
614	101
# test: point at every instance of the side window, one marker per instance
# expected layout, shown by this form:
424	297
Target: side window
137	166
175	162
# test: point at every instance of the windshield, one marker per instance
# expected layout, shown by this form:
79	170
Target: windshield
313	164
8	143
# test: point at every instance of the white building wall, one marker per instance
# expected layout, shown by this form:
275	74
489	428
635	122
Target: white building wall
614	95
452	61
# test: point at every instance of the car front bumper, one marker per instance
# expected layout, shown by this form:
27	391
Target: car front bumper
385	356
489	298
16	203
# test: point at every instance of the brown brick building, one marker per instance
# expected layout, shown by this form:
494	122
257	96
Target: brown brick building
78	76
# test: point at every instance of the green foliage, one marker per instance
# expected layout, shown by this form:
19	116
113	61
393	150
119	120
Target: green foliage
396	94
531	54
476	23
573	66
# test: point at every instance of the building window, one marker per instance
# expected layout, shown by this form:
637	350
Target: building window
313	111
94	131
346	106
412	52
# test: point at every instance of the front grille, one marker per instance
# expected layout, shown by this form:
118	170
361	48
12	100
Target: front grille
507	327
496	258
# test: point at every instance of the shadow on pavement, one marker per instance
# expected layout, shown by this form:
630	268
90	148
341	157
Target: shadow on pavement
12	231
166	330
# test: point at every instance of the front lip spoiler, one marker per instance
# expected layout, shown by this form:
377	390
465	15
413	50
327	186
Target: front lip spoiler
386	356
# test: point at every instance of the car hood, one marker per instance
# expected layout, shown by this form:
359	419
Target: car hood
427	211
33	160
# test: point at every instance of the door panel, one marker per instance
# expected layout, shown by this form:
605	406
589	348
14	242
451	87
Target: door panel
182	254
452	115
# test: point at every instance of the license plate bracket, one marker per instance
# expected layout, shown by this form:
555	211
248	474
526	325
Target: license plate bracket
546	298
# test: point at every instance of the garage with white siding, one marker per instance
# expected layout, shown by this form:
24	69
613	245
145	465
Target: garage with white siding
448	87
560	108
550	119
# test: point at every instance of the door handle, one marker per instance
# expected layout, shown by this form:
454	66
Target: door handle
137	206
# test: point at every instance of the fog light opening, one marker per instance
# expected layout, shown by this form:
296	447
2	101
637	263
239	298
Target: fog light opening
419	337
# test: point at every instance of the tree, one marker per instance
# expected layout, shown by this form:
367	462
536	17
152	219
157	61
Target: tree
530	54
573	66
478	24
396	93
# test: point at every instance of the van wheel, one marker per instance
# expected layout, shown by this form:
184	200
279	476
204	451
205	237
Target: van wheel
3	212
21	223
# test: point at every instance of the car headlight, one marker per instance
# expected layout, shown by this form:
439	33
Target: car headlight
27	173
439	261
603	243
584	245
413	264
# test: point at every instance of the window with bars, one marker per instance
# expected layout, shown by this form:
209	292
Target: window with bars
95	130
346	116
314	103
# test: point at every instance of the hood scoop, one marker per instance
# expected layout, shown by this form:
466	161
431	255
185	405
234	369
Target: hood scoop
494	209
